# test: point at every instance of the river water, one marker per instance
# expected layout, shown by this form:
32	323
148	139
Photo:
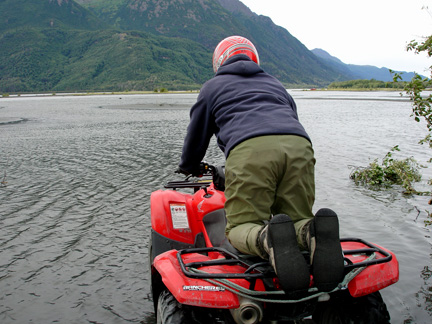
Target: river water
77	173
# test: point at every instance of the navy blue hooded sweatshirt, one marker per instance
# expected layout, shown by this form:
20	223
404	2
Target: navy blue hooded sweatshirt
240	102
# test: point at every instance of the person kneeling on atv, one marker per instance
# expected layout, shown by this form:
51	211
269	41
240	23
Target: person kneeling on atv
269	170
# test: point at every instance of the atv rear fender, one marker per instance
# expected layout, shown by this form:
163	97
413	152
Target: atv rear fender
374	277
195	292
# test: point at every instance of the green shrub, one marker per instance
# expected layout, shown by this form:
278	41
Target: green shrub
388	173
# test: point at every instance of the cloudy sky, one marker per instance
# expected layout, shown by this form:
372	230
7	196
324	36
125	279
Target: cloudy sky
367	32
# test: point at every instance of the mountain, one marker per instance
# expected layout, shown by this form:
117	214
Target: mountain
67	45
203	21
46	13
209	21
61	60
79	51
366	72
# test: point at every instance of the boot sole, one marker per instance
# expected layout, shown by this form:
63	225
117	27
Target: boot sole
328	262
291	267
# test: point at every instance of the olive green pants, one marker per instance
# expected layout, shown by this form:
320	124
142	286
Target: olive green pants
264	176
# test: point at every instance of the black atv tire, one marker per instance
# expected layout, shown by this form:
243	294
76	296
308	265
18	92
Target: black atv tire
345	309
169	310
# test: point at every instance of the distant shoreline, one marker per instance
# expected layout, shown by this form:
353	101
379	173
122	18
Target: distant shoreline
124	93
91	93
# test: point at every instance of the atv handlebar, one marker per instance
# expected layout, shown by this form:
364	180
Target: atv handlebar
216	173
204	169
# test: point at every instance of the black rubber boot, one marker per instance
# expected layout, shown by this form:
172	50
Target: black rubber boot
286	258
326	252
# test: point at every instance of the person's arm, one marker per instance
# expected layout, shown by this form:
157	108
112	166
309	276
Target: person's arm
199	133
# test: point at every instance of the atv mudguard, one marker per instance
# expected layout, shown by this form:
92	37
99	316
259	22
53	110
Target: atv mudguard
374	277
195	292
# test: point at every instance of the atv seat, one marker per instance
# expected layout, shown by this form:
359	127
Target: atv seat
215	223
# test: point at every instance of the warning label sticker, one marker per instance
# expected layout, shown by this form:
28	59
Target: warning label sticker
179	216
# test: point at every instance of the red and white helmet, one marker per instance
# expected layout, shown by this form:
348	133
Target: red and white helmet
231	46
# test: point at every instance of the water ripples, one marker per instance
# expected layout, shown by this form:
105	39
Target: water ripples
75	214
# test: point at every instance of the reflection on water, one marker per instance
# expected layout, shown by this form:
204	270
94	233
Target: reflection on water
425	293
74	214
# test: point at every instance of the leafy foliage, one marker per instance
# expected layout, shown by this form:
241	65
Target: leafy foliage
403	172
389	172
421	103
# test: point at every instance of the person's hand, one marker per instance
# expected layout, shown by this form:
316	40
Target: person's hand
181	171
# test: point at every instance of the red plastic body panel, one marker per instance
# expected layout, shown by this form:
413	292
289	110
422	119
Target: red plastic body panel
199	292
374	277
197	206
161	219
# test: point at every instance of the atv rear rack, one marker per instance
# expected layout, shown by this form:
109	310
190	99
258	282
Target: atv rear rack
253	270
372	248
261	269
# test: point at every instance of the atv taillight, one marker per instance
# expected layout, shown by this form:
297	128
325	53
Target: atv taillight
276	283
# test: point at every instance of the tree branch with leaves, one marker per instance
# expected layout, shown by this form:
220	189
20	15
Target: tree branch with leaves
421	102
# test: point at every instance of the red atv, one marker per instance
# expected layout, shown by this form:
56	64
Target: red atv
198	277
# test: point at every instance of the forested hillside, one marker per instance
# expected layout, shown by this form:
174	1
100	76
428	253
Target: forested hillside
209	21
57	45
84	45
34	59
